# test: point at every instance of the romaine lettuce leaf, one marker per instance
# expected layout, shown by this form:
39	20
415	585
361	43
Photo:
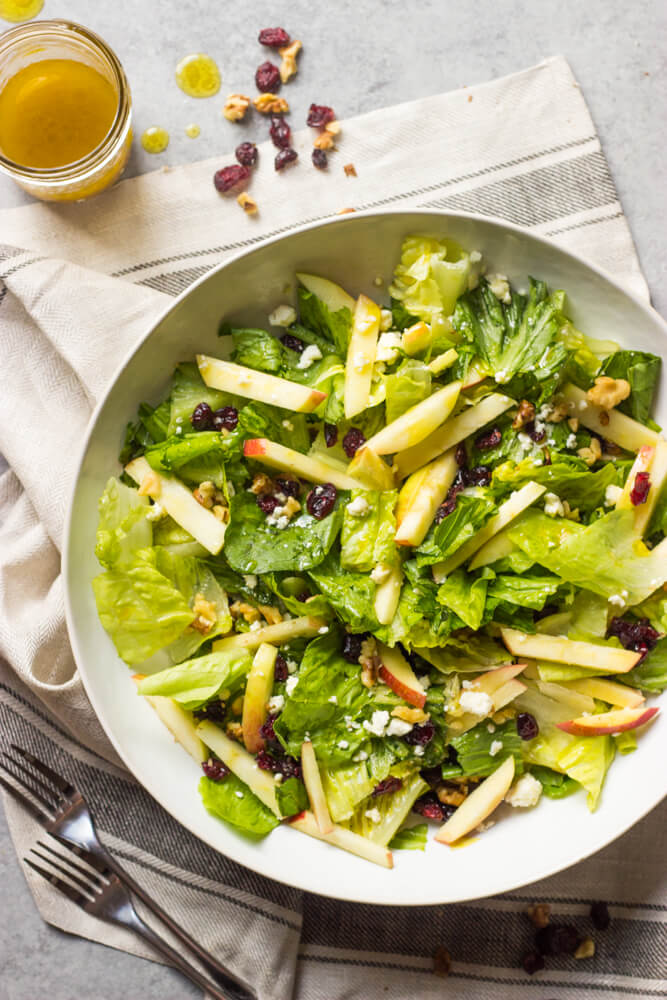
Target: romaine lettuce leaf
233	801
651	674
156	419
443	539
292	797
122	527
258	349
196	681
642	371
473	748
430	277
465	595
368	539
525	591
407	386
567	477
350	594
410	838
194	579
325	344
345	787
554	784
187	390
333	326
392	808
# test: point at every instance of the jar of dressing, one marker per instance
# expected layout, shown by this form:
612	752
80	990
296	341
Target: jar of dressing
65	111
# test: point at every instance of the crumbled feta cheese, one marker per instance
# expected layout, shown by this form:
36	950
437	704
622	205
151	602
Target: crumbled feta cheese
283	316
387	347
362	755
524	439
155	512
288	425
571	441
468	685
500	286
475	256
360	361
490	728
292	666
277	777
397	727
476	702
374	815
255	626
323	630
290	684
276	703
377	724
333	699
385	320
616	600
342	744
425	682
495	747
419	751
309	355
358	507
611	495
380	573
525	792
350	723
250	580
553	505
239	795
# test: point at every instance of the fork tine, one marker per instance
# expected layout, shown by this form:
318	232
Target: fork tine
66	889
39	814
29	786
81	883
61	784
71	850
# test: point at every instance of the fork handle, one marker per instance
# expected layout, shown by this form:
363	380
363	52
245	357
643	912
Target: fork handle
222	976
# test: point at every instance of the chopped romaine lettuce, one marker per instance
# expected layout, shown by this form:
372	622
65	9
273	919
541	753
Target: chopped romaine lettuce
233	801
481	749
380	817
258	349
187	390
430	277
407	386
292	797
367	538
195	682
642	371
410	838
332	326
350	594
122	527
454	530
465	595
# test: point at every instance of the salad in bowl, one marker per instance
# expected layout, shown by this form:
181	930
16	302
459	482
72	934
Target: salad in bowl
399	560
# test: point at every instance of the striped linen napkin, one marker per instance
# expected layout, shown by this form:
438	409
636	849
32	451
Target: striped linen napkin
81	284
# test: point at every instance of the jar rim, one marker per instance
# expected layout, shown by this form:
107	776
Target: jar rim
77	169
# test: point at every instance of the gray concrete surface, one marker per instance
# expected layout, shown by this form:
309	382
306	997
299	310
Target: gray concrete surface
357	56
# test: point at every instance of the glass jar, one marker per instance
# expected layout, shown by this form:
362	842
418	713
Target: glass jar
62	40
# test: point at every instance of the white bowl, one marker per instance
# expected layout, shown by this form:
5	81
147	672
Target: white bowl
527	844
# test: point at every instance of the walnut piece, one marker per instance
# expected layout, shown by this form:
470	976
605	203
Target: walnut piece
150	485
262	484
248	204
452	796
586	949
324	141
206	494
288	64
207	611
220	512
235	731
539	913
591	454
333	128
608	392
290	507
370	662
271	104
241	609
349	170
235	107
412	715
557	413
442	962
272	615
524	415
345	211
573	424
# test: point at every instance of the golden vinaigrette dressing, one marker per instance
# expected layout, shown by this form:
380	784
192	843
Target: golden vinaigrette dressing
20	10
198	76
55	112
155	139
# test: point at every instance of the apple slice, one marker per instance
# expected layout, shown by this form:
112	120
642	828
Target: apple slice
472	419
496	548
178	721
433	487
574	700
409	493
251	384
507	693
258	691
368	468
608	722
277	456
492	680
343	838
416	423
242	763
476	374
397	673
361	355
334	297
180	504
480	803
387	596
416	338
614	426
313	783
657	466
443	361
515	504
571	651
615	694
291	628
642	463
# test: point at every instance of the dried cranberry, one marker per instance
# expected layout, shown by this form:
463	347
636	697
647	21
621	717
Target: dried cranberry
280	132
447	507
488	440
303	596
274	38
532	962
320	501
226	418
320	159
479	476
267	503
636	635
280	670
352	647
267	78
230	177
284	158
293	343
246	154
461	456
353	441
420	734
290	487
533	433
215	769
557	939
526	726
430	807
202	416
287	766
215	710
319	115
639	491
389	784
330	435
600	916
266	730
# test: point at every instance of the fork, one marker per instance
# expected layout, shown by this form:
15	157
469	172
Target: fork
103	895
63	812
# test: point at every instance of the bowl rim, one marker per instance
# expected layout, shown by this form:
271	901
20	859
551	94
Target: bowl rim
511	883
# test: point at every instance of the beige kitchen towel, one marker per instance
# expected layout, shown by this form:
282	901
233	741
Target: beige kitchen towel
81	284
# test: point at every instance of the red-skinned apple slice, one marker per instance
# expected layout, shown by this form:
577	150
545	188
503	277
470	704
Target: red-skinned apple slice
313	783
291	628
480	803
619	695
492	680
608	722
361	355
416	423
242	763
571	651
434	483
258	691
343	838
611	424
277	456
178	721
251	384
397	674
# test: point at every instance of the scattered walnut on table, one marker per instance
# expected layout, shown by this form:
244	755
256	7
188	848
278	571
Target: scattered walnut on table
539	914
271	104
442	962
288	64
236	107
248	204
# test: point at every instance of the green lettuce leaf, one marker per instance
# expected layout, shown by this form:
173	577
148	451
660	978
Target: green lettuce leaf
407	386
122	527
465	595
392	808
193	578
196	681
345	787
411	838
263	420
333	326
292	797
368	539
187	390
430	277
642	371
554	784
443	539
651	674
350	594
258	349
233	801
156	419
568	478
325	344
474	748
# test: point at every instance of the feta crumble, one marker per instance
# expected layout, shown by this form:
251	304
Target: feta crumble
283	316
495	748
291	683
358	507
616	600
387	347
476	702
500	286
475	256
309	355
250	580
385	320
373	815
362	755
333	699
397	727
343	744
288	425
380	573
377	724
524	439
571	441
276	703
419	751
611	495
553	505
255	626
525	792
155	512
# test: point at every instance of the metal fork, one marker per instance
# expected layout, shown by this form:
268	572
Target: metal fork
104	896
64	813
